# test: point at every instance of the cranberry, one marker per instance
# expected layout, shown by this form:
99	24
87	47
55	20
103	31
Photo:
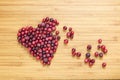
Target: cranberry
73	50
66	41
98	47
92	60
96	54
86	60
68	34
57	32
40	41
74	53
64	28
99	41
87	55
105	51
70	29
78	54
91	64
103	47
100	54
89	47
104	64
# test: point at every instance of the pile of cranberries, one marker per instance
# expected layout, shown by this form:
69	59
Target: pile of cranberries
40	41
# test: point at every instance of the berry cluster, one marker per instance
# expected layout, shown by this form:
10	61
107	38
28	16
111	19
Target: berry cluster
40	41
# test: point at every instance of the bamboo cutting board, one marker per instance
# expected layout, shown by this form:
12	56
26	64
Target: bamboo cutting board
90	19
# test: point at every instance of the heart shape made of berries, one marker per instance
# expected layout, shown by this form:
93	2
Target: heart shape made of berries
40	41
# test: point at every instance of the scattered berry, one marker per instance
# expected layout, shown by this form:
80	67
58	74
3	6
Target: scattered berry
64	28
104	64
66	41
99	41
87	55
89	47
101	54
96	54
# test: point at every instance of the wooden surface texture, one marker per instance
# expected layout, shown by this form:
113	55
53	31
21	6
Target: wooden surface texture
90	19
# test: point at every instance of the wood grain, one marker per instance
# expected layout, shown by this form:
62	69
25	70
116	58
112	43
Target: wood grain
90	19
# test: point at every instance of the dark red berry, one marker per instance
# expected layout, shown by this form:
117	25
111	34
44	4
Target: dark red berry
74	53
92	60
105	51
70	29
87	55
98	47
73	50
100	54
96	54
99	41
89	47
104	64
91	64
64	28
66	41
57	32
68	34
78	54
86	60
103	47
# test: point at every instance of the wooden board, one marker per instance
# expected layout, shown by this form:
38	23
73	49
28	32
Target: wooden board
90	19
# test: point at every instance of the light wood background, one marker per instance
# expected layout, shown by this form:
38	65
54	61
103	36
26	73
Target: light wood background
90	19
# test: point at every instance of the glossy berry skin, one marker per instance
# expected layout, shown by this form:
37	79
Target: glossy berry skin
74	54
78	54
73	50
57	32
98	47
100	54
92	60
104	64
88	55
96	54
70	29
66	41
64	28
89	47
103	47
86	60
105	51
99	41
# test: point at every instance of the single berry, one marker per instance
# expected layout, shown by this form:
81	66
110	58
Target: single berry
66	41
92	60
101	54
78	54
96	54
70	29
99	41
105	51
103	47
104	64
89	47
87	55
86	60
64	28
98	47
57	32
73	50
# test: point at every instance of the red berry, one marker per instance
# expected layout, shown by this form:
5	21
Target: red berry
99	41
100	54
104	64
70	29
91	64
78	54
92	60
98	47
89	47
105	51
103	47
66	41
96	54
64	28
73	50
57	32
68	34
74	53
86	60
